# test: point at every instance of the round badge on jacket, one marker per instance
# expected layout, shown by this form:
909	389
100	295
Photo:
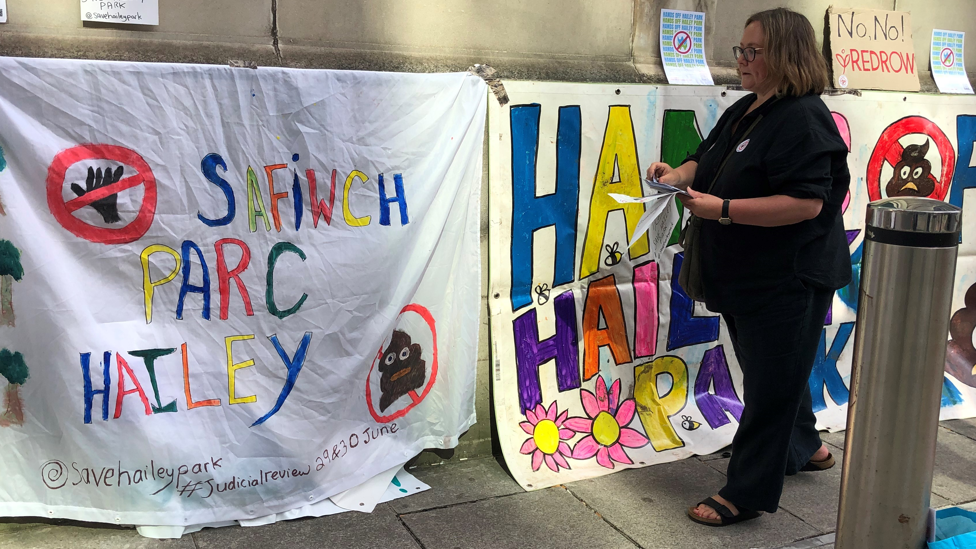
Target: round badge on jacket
742	146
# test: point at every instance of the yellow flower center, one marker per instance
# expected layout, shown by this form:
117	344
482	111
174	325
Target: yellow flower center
546	436
605	429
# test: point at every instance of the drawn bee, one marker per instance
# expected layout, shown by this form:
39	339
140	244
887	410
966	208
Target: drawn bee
542	290
689	424
614	256
913	174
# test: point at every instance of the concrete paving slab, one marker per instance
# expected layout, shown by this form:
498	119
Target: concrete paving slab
649	505
834	439
938	502
819	542
723	453
954	478
956	438
964	427
814	497
21	533
463	482
546	518
352	530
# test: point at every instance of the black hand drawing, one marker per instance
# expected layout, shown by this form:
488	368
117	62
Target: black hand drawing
107	207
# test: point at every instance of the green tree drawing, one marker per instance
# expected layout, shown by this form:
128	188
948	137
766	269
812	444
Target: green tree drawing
14	369
10	270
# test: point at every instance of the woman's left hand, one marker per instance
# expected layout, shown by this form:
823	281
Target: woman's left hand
705	206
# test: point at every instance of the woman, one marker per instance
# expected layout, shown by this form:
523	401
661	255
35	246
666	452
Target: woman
773	252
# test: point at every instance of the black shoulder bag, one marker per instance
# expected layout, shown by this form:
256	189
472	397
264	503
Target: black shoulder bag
690	277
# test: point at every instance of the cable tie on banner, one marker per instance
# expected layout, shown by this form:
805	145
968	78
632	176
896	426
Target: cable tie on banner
487	73
242	64
829	91
842	91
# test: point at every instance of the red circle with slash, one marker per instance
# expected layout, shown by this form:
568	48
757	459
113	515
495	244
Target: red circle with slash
889	150
414	397
947	60
64	211
680	45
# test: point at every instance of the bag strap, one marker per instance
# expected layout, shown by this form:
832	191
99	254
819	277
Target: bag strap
729	155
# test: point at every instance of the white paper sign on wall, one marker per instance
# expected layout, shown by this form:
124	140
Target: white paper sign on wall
131	12
948	65
3	11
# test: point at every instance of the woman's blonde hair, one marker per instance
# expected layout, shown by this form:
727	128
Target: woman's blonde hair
793	61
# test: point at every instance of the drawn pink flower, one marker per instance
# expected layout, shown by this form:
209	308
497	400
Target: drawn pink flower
547	439
606	426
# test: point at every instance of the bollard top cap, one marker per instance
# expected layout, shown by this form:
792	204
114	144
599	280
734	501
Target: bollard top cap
914	215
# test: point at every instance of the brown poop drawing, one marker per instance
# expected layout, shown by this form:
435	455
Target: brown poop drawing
960	353
913	175
402	368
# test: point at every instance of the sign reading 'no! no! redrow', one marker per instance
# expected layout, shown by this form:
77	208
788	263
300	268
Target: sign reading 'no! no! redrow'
872	49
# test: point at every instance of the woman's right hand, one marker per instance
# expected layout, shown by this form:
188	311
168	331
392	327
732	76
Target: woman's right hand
664	173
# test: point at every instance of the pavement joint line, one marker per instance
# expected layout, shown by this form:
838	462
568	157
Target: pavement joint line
709	465
838	448
812	542
409	531
459	503
799	518
941	496
601	517
951	430
817	537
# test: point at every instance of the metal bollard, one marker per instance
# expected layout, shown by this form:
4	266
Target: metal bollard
908	269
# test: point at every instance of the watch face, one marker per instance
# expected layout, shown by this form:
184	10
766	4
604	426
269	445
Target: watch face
725	221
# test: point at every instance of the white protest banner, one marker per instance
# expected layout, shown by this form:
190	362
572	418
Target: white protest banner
230	293
602	361
871	49
131	12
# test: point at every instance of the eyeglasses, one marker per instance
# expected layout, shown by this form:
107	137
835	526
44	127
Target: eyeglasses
748	53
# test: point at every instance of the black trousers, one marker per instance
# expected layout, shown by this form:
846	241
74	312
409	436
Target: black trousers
776	346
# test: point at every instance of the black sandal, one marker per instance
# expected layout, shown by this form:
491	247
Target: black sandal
821	465
726	517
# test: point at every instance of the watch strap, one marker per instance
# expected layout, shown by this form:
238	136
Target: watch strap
725	209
